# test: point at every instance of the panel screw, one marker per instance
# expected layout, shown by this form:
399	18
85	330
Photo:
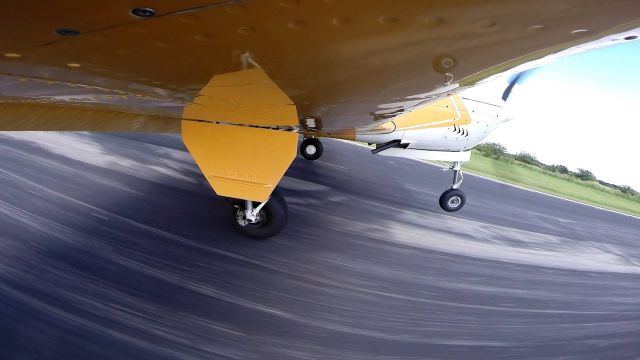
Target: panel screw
67	32
143	12
444	63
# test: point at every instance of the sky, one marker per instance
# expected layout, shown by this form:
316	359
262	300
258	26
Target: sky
581	112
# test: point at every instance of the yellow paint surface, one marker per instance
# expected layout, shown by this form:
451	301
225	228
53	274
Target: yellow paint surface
337	60
238	161
53	117
243	97
346	134
443	113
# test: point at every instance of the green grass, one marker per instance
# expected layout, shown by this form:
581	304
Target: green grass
561	185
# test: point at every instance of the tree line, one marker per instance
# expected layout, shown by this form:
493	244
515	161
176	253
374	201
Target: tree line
499	152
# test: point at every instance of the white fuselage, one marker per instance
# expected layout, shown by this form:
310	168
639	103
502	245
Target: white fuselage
465	120
485	117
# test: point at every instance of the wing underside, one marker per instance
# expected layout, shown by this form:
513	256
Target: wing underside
93	66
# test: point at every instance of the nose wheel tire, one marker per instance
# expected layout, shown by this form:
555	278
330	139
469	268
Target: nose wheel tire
311	149
452	200
270	220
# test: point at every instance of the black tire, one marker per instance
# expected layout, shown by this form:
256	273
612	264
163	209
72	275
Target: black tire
452	200
272	217
311	149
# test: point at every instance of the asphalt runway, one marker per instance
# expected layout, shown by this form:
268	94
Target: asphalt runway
114	247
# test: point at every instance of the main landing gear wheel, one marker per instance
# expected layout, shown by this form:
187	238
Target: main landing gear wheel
452	200
311	149
267	221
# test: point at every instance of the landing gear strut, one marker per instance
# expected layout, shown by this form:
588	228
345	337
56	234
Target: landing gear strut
311	149
454	199
260	220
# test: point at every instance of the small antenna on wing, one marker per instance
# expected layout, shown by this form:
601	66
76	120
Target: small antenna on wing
448	79
246	60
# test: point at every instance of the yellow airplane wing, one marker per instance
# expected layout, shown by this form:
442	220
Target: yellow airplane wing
235	76
337	60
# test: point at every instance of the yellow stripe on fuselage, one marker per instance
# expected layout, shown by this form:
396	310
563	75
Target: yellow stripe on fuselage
442	113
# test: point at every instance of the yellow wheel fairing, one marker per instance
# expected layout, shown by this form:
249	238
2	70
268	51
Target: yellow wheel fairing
240	161
229	131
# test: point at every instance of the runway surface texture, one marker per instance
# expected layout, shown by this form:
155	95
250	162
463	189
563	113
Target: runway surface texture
114	247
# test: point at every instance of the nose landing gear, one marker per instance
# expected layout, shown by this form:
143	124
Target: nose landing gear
311	149
454	199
